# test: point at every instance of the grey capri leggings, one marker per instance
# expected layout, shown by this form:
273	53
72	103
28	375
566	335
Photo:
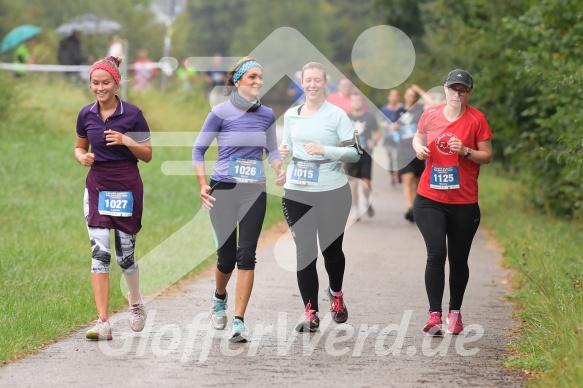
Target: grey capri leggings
100	246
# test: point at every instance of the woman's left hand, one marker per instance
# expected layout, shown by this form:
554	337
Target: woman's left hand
314	149
281	176
113	137
457	146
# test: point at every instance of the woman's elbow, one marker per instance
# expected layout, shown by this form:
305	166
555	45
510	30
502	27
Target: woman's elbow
147	157
354	158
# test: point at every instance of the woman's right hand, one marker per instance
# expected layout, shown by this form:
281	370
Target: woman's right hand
422	152
206	198
283	151
86	159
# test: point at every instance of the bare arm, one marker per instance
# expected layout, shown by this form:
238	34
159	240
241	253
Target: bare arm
483	155
277	166
81	152
420	146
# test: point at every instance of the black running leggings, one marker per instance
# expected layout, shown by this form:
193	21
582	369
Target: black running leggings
448	231
313	217
243	204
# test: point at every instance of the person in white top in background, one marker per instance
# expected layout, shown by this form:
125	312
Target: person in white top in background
115	48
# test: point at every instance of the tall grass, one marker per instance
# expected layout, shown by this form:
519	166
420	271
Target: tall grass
545	252
44	248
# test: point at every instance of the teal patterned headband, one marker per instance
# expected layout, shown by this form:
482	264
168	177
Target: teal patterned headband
244	67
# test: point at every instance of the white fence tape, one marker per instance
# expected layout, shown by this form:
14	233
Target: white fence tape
66	68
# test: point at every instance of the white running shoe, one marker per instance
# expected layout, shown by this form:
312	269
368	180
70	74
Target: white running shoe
238	332
219	312
138	315
101	331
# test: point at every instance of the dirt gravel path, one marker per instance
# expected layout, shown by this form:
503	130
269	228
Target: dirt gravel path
381	344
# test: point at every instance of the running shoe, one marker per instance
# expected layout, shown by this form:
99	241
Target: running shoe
311	323
433	325
238	331
337	307
370	211
138	315
101	331
219	312
454	322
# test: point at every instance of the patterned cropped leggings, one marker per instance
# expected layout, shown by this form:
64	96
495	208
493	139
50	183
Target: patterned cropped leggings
100	247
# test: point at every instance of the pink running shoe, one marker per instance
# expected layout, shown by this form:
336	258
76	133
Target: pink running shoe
433	325
337	307
454	322
311	322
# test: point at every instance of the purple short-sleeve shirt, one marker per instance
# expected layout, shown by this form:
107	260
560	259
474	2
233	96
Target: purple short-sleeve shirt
127	119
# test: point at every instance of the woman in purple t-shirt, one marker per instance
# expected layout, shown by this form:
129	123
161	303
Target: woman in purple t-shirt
119	136
244	129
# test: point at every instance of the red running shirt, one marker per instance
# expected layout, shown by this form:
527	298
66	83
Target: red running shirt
471	128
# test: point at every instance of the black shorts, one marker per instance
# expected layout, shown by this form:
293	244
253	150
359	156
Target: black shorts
361	169
415	166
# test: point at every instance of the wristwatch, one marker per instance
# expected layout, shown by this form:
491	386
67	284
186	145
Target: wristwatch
468	152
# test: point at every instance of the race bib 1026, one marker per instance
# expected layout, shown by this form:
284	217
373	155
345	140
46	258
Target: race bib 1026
247	170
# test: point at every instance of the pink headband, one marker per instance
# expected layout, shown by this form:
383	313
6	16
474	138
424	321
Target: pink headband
107	67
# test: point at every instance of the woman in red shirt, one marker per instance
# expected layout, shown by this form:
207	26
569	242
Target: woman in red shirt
455	139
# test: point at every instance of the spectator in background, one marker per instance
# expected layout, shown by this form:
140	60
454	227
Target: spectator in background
342	97
391	113
330	85
22	56
411	167
216	79
70	53
366	125
143	71
295	90
115	48
186	74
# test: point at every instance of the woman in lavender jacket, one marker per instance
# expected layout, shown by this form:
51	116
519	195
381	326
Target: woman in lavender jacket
235	195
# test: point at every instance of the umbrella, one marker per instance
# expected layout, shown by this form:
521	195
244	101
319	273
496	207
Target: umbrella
89	24
17	36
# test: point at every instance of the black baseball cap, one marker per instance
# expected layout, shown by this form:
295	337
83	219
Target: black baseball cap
459	76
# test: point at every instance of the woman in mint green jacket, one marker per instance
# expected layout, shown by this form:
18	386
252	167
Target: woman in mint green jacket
318	136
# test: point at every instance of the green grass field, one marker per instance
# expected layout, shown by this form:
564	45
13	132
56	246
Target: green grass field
545	254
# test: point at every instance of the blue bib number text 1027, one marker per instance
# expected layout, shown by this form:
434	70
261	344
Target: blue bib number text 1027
116	203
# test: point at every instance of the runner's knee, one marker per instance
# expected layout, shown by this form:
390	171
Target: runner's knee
246	258
225	266
125	245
